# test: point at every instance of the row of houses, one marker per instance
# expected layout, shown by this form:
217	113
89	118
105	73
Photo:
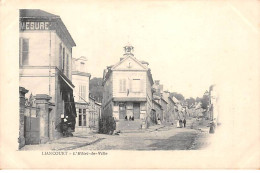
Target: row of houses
133	98
58	84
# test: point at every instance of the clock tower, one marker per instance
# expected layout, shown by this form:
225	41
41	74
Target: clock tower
129	50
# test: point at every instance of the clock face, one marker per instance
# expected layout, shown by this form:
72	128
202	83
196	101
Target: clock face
128	49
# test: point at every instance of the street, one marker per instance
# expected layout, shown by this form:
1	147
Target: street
167	138
155	138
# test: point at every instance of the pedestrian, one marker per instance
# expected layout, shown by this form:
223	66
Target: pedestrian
184	123
180	121
178	124
212	127
126	117
159	121
133	118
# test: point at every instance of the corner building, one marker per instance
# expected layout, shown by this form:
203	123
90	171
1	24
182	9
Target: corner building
45	54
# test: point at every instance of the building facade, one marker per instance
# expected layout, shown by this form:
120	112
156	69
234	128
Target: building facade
80	79
45	57
88	110
128	91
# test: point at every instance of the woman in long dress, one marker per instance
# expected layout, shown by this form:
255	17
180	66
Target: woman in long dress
178	124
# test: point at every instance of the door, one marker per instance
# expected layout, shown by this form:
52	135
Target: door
32	130
122	110
136	107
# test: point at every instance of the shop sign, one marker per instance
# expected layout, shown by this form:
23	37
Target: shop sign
34	25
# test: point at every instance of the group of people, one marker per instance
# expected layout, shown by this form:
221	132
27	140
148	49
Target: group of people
181	123
131	118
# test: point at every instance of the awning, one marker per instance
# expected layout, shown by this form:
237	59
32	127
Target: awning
66	90
129	99
67	82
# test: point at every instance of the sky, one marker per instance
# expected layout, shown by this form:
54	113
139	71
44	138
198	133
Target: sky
189	45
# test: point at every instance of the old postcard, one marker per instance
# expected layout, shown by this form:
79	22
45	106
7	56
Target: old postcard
130	84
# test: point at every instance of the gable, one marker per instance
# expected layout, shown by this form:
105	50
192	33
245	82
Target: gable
129	63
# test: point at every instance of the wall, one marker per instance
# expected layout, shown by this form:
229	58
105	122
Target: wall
149	96
80	80
39	49
129	75
57	59
39	46
37	81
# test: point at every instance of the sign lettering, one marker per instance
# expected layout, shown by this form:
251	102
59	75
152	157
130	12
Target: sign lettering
34	25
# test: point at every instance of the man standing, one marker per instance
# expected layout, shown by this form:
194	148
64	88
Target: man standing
184	123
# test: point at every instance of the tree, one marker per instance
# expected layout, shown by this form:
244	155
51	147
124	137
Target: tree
96	88
205	101
198	99
178	96
190	101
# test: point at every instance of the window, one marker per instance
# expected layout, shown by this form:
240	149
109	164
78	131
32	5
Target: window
67	65
24	51
60	56
82	92
82	117
136	85
63	60
122	85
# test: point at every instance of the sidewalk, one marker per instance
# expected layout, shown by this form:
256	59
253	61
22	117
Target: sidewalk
66	143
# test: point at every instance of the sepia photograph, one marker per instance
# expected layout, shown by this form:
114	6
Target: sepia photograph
174	83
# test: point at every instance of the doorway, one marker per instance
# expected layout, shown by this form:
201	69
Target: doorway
136	107
122	110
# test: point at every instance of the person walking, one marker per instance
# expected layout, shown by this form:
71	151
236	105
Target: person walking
184	123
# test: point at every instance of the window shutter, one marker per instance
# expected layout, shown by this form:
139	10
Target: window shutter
63	59
120	85
79	92
20	51
141	85
60	57
130	85
24	48
124	85
67	65
84	95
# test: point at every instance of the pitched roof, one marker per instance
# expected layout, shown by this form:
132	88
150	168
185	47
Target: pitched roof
35	13
128	57
40	14
175	100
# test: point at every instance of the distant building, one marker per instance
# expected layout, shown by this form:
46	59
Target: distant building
128	91
88	110
94	114
45	56
168	113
